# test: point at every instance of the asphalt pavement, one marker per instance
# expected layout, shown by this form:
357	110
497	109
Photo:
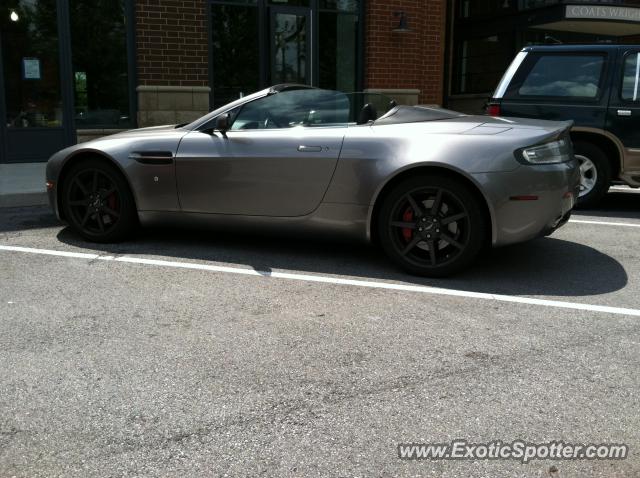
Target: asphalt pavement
195	353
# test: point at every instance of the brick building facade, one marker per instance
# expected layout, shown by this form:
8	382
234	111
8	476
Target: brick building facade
172	55
171	61
408	64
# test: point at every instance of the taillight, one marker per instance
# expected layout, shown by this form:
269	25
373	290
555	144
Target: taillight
493	110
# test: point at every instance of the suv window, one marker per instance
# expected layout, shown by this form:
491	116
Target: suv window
562	76
308	107
631	78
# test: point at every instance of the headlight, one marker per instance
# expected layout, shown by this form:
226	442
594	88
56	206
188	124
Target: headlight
548	153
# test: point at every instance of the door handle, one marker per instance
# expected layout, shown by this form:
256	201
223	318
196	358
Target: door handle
624	112
309	149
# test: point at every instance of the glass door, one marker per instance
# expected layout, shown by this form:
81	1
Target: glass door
290	43
34	119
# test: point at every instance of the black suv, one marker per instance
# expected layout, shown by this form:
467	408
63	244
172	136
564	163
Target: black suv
596	86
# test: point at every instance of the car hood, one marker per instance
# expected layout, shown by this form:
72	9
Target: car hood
169	129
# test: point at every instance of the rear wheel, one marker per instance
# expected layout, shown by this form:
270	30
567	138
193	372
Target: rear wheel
97	202
595	173
431	225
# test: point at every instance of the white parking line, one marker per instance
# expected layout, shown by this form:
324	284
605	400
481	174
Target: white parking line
605	223
331	280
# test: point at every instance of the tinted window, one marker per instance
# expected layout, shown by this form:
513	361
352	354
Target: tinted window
234	44
338	36
480	63
570	76
294	108
631	78
101	88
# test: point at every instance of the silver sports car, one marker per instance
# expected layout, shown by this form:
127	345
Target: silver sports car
430	186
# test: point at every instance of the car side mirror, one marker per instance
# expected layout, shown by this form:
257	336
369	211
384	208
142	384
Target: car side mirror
223	123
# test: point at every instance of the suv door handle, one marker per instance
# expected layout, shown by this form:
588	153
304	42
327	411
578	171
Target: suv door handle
309	149
624	112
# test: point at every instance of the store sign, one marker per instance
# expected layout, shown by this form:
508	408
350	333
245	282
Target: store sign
589	12
31	68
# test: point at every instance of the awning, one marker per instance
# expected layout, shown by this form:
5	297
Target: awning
595	19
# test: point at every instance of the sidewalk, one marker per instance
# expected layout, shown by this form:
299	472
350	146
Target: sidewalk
22	184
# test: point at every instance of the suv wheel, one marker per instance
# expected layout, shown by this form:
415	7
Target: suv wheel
595	173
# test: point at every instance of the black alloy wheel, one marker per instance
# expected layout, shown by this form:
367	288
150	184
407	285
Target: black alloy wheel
97	202
431	225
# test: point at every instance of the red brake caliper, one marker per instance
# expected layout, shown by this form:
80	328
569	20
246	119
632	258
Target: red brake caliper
113	201
407	217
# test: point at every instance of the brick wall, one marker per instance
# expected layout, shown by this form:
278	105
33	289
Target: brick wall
172	42
411	60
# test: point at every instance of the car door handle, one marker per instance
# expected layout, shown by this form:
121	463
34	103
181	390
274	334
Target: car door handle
309	149
624	112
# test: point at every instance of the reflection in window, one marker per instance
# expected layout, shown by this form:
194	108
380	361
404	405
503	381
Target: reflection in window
309	107
564	76
631	78
30	58
236	66
290	48
99	58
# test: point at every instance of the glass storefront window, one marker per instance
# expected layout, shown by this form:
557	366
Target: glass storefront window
340	5
30	53
99	58
235	51
298	3
481	8
338	34
290	48
255	44
481	63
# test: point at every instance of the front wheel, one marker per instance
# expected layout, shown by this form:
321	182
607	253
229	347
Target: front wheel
97	202
431	225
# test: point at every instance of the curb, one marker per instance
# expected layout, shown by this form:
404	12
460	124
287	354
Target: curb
24	199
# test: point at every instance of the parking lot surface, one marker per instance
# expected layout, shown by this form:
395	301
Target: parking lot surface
201	353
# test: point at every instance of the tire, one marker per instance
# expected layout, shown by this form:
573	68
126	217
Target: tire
595	174
428	239
97	202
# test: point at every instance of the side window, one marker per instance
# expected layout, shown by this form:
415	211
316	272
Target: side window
288	109
562	76
631	78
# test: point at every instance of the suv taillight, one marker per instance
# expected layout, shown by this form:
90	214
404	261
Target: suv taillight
493	110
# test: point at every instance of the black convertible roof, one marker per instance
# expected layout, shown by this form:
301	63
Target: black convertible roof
416	114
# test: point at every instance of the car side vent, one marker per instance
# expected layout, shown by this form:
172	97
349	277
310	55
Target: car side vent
152	157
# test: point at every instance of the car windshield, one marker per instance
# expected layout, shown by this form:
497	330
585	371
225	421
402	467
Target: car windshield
288	109
308	107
